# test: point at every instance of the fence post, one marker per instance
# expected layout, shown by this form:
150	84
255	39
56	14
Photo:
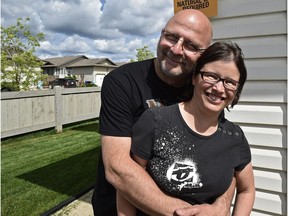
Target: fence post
58	109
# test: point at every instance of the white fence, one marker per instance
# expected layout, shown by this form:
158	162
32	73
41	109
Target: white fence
23	112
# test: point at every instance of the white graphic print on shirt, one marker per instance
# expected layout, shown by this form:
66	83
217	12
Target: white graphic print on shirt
184	174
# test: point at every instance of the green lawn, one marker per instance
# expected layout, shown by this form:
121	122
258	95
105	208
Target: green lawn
42	169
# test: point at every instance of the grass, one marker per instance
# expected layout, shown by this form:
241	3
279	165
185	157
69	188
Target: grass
42	169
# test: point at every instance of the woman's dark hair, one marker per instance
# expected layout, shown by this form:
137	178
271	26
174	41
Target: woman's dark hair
223	51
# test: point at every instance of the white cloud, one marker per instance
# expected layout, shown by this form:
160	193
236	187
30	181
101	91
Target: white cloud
111	46
73	43
46	45
136	17
75	27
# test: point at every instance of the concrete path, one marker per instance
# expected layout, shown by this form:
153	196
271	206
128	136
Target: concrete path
79	207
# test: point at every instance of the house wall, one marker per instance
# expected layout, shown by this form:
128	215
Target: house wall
82	74
103	69
82	70
260	28
89	78
91	73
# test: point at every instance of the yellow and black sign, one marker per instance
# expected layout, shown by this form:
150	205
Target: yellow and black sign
208	7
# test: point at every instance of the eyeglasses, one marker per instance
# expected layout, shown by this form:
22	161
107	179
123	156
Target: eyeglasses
187	45
213	78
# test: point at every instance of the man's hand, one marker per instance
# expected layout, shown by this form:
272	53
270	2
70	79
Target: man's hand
202	210
188	211
221	206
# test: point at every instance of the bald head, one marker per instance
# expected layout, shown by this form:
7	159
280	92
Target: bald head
193	20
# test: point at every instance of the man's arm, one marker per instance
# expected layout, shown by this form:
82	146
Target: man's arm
132	181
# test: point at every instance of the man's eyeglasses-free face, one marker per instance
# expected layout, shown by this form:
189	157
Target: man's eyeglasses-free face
187	45
213	78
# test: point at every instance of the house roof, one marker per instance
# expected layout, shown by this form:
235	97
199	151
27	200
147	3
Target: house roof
120	63
62	61
94	62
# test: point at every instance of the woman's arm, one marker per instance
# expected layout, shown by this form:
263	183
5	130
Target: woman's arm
140	161
245	195
124	207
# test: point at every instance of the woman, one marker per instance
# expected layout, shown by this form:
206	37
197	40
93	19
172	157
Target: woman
189	149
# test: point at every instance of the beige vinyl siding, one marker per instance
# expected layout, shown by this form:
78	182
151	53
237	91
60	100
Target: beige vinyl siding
260	28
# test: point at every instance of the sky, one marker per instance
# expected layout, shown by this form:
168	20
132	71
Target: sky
111	29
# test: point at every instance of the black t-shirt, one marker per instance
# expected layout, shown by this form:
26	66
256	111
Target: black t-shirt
193	167
126	93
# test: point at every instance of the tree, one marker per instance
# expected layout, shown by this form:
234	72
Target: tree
20	68
143	53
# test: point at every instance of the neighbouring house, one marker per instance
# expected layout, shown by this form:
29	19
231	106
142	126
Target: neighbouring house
57	67
84	69
91	70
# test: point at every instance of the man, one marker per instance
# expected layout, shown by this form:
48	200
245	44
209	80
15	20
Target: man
126	93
